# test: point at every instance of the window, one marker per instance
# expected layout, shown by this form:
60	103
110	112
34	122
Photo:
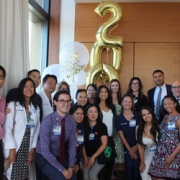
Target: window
38	33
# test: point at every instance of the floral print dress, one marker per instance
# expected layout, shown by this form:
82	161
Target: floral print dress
117	140
167	144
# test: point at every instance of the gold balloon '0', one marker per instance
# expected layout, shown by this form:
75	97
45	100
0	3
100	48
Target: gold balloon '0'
105	40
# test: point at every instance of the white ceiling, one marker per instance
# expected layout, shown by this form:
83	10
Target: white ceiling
99	1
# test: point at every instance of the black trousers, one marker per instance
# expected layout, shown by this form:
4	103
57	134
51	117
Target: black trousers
106	172
1	161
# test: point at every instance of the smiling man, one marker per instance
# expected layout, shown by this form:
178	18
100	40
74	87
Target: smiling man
49	86
176	90
56	148
157	93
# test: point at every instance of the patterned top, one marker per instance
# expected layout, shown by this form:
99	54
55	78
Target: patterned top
118	109
167	144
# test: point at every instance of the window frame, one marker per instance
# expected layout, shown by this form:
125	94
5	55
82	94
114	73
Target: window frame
43	13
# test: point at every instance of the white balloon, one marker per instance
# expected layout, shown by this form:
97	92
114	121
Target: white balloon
75	56
52	70
64	74
80	78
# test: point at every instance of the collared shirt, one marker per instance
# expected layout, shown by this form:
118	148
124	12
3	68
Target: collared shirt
178	99
46	105
49	144
164	93
2	115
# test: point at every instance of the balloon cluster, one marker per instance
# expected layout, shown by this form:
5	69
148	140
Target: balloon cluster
74	57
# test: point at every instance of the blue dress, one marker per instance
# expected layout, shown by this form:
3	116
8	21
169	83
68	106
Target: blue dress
128	128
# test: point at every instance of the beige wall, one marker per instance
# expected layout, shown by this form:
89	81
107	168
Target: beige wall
151	35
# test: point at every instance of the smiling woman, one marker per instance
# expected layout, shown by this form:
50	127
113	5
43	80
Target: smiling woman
95	141
21	129
81	96
148	135
126	125
135	87
108	115
166	160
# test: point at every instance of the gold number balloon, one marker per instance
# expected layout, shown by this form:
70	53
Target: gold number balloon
104	71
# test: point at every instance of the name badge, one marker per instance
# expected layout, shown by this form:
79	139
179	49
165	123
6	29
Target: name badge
153	148
57	130
132	123
171	126
80	139
91	136
30	123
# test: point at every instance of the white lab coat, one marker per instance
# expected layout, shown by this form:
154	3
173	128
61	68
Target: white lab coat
15	128
47	108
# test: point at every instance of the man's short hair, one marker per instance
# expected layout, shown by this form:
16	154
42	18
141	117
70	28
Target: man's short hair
58	93
33	70
49	76
158	71
3	70
56	96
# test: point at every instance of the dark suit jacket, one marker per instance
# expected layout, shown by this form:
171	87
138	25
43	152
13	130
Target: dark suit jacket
142	101
151	95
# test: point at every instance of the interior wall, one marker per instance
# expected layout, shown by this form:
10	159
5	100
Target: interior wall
151	39
54	32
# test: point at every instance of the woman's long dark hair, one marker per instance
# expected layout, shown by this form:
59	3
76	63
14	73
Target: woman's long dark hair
155	132
119	90
74	108
93	85
163	112
109	103
20	97
140	86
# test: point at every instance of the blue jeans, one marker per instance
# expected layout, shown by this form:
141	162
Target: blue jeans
50	171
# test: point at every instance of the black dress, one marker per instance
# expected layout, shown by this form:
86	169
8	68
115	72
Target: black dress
20	168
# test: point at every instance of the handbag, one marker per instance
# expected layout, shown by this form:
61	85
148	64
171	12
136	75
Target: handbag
109	153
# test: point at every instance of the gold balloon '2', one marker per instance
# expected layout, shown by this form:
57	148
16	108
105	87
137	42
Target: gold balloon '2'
104	71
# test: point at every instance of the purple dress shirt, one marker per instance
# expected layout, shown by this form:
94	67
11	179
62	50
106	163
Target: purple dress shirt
49	144
2	115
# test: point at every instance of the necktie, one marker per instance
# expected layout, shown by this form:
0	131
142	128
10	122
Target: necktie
62	142
178	100
158	104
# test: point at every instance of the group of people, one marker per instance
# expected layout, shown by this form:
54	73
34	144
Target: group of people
46	135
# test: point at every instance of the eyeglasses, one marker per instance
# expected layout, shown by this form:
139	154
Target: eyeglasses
134	83
62	101
175	87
